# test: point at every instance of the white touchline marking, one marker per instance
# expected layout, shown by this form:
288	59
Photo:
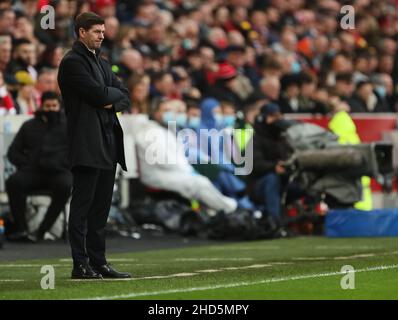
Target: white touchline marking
12	280
110	260
30	265
246	248
254	266
70	265
344	247
213	259
309	258
187	274
365	255
239	284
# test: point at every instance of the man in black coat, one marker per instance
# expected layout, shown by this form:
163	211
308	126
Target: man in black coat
39	151
91	95
270	151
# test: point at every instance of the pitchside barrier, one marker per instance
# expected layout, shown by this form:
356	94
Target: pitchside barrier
371	128
357	223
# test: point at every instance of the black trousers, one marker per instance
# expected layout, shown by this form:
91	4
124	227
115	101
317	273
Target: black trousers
89	211
21	183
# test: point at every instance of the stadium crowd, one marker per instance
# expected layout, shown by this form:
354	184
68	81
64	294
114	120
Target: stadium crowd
215	64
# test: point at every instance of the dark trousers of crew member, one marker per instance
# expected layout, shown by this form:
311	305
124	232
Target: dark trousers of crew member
22	182
89	210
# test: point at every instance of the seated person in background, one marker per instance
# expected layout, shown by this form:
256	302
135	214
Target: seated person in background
344	127
244	127
366	100
290	90
39	151
25	102
270	150
163	164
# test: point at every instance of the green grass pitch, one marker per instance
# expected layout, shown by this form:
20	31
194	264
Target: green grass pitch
299	268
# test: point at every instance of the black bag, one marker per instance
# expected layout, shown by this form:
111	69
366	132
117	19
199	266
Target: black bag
241	225
171	214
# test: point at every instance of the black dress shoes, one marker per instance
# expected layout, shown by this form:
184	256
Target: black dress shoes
108	272
85	272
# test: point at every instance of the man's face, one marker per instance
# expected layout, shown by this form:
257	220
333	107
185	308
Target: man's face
51	105
26	52
47	82
93	37
5	52
194	112
163	108
7	21
273	117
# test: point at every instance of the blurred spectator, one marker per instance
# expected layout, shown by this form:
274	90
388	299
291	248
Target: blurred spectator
39	151
229	114
226	85
5	51
106	8
386	88
108	47
162	85
7	21
46	81
177	176
51	57
193	115
270	88
131	62
290	90
236	57
307	86
138	86
270	150
344	86
6	101
25	102
24	29
257	39
23	58
366	100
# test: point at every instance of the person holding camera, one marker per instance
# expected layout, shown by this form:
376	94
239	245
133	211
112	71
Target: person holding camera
270	151
39	152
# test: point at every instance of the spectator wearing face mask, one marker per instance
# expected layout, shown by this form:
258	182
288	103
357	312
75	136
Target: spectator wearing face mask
39	151
270	151
193	115
163	164
220	149
229	114
366	100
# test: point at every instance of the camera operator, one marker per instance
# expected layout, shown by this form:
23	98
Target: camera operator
39	151
270	150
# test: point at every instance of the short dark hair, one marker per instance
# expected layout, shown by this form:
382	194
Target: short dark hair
86	20
344	76
49	95
19	42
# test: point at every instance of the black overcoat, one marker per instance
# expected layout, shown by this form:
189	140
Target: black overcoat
88	84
